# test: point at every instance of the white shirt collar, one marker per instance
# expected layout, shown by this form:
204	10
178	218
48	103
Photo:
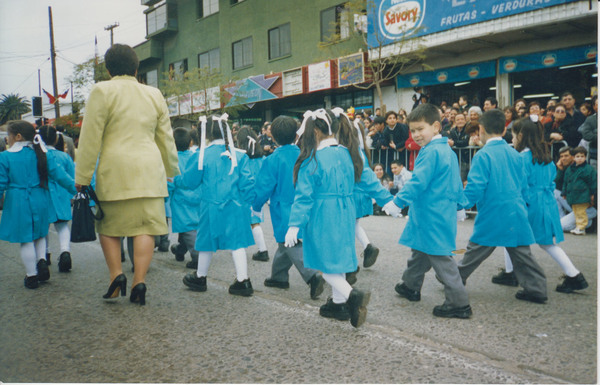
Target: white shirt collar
217	141
438	136
18	146
494	139
326	143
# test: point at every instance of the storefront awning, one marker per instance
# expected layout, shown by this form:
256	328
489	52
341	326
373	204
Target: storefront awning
548	59
448	75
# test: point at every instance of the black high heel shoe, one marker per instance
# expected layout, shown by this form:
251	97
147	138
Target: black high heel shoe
119	283
138	293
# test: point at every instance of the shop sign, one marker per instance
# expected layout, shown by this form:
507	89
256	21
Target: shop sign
319	76
448	75
392	20
199	99
351	70
547	59
292	82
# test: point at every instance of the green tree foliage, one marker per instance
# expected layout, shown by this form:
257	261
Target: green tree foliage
12	106
84	76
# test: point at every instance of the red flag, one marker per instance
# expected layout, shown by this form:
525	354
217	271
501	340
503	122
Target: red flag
64	94
51	98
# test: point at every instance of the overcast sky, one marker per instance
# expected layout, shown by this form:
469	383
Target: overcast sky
25	38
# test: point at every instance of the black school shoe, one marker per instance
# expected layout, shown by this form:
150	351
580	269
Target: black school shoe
570	284
31	282
452	312
243	288
269	282
506	279
193	264
64	262
176	249
43	271
48	262
370	255
351	278
409	294
357	305
317	283
525	296
262	256
338	311
194	282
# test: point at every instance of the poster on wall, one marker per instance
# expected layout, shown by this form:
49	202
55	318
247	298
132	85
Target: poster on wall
292	82
351	70
319	76
185	104
173	106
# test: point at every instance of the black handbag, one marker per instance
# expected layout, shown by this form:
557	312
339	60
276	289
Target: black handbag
82	225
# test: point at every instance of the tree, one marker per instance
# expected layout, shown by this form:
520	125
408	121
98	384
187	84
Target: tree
12	106
85	75
383	63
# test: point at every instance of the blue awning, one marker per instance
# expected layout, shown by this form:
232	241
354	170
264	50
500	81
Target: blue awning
448	75
548	59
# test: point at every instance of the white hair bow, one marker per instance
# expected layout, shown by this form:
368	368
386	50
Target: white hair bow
314	115
251	143
202	121
231	151
359	133
37	139
339	111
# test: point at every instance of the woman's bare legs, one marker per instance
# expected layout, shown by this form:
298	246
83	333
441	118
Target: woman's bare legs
143	249
111	247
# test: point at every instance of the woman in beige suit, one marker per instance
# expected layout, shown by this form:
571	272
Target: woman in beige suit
127	131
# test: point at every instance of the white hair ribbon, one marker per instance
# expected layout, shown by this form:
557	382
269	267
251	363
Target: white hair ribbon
359	133
202	121
307	114
251	143
37	139
339	111
231	151
321	113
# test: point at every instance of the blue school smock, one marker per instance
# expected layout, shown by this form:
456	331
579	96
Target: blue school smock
25	214
324	209
541	205
368	187
275	181
224	216
60	198
255	166
184	203
433	194
497	184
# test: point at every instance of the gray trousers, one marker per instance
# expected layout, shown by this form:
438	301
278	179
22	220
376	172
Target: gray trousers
187	241
447	271
283	260
528	272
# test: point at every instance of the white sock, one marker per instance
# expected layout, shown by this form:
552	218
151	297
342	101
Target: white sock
259	238
29	258
64	235
507	262
361	235
204	258
241	264
40	248
561	258
340	288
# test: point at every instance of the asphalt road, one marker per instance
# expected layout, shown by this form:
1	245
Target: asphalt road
65	332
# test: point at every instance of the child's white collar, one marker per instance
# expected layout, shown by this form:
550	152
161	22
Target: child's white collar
326	143
217	141
18	146
494	138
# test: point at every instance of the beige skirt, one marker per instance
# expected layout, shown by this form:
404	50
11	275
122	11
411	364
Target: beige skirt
131	217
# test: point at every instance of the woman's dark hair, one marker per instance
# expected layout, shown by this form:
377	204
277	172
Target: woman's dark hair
182	138
387	114
284	130
513	113
253	149
531	138
308	149
27	131
194	136
385	175
121	59
347	136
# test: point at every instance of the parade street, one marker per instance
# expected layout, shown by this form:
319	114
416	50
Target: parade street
65	332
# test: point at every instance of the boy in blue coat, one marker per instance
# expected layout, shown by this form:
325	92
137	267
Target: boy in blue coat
496	184
184	204
433	194
275	181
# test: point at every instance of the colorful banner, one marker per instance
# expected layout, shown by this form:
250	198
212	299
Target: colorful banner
548	59
448	75
392	20
251	90
351	70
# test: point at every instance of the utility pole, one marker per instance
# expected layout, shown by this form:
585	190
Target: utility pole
53	60
110	28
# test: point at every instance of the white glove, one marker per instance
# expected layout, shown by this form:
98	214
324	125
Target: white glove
291	237
461	215
390	208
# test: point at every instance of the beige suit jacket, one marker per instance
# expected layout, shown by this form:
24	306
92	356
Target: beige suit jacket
126	126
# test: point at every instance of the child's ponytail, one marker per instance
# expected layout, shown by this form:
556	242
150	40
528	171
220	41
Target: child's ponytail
347	136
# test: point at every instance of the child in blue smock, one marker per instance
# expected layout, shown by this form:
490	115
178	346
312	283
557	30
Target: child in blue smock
227	185
542	210
275	182
433	194
247	140
184	204
497	184
24	174
60	198
323	209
